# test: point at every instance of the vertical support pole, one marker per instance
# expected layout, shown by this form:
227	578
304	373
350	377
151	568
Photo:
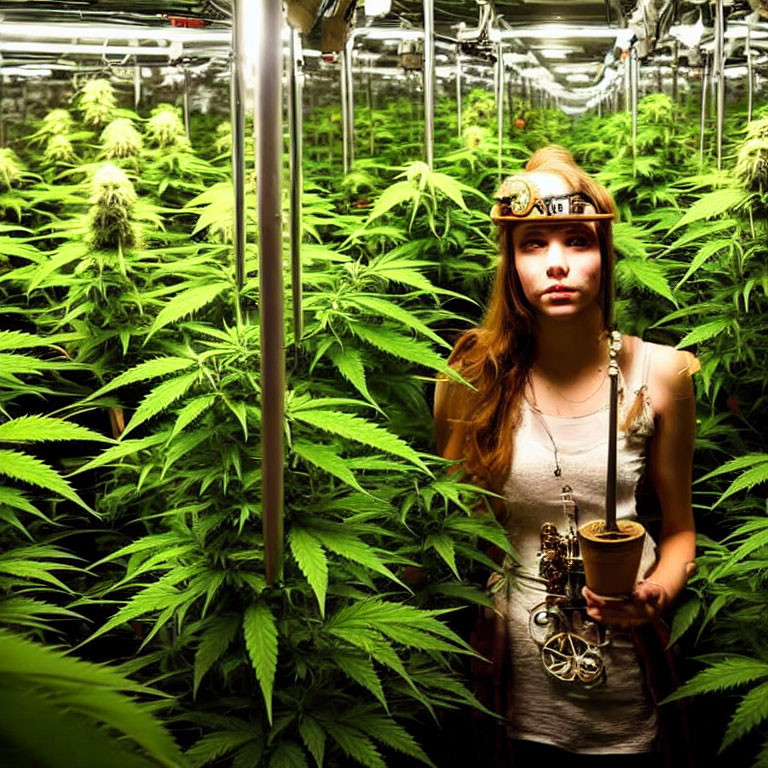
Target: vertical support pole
610	482
237	107
635	67
458	92
2	114
627	83
499	83
136	83
429	81
750	73
186	104
675	64
720	75
348	48
344	110
369	94
704	88
269	167
296	136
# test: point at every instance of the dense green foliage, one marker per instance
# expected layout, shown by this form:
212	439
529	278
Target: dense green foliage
141	543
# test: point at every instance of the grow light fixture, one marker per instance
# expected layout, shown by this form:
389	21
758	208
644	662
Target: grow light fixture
93	32
554	53
173	51
390	34
689	34
558	32
377	7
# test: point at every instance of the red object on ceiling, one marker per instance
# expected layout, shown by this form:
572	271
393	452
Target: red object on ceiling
186	22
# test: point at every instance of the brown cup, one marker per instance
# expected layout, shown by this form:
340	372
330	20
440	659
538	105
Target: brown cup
611	561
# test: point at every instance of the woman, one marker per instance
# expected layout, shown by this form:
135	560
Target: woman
535	430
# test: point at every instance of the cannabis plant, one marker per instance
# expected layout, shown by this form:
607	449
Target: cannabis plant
120	140
97	102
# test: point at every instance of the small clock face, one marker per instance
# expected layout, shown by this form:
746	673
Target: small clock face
520	196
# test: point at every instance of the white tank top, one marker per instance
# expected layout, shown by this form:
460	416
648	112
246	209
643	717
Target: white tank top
615	716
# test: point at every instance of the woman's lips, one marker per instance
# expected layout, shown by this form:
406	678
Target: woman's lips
558	289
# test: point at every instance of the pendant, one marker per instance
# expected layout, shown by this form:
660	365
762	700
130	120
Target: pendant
558	472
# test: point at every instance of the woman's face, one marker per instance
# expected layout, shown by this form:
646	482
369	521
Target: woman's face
558	266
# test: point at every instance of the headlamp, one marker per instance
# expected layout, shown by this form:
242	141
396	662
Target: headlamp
518	201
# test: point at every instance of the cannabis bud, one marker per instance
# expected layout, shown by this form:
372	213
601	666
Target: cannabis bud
97	102
111	214
120	139
165	128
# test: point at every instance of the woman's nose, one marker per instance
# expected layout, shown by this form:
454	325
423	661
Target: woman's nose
557	265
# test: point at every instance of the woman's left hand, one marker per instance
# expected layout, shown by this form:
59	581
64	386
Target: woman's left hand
647	603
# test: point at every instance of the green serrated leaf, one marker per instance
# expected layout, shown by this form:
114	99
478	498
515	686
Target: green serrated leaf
29	469
362	431
260	632
186	303
312	561
160	398
28	429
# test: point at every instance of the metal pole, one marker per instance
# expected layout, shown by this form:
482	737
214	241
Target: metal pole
371	131
458	92
750	74
269	166
237	107
186	103
136	82
675	64
344	110
627	82
635	67
429	81
296	138
704	86
499	83
720	69
350	100
610	483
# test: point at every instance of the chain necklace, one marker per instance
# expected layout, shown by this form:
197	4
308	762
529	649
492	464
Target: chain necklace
540	416
600	383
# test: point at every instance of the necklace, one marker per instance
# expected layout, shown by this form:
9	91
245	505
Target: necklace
558	472
599	386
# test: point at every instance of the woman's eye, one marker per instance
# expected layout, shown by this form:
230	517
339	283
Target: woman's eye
579	241
531	245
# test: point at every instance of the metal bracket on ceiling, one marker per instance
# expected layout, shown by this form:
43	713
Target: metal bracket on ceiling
477	41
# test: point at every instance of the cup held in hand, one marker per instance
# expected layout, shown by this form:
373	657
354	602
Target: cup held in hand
611	560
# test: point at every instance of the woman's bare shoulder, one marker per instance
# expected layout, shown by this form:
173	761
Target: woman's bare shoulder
670	372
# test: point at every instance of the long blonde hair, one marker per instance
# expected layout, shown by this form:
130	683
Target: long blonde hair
497	356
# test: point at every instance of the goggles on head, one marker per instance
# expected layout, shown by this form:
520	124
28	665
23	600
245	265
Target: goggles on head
517	201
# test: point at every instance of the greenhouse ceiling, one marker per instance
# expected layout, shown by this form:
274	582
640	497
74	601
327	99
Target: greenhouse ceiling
565	47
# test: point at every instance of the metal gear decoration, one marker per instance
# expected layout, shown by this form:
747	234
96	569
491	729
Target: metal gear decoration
570	658
517	195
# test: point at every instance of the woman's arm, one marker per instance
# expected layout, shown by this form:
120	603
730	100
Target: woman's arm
670	460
